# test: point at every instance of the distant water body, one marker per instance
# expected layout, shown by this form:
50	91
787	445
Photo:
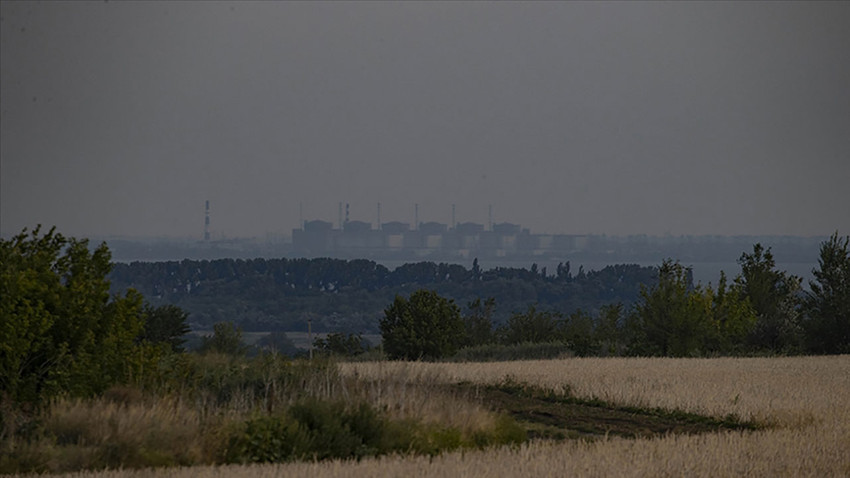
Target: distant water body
704	272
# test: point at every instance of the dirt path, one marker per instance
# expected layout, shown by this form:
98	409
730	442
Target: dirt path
545	415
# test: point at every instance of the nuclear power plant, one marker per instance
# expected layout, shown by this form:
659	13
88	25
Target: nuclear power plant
427	239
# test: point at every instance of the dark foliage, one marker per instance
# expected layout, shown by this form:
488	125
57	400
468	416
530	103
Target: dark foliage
60	331
424	326
349	296
226	339
775	298
345	345
165	324
828	303
278	342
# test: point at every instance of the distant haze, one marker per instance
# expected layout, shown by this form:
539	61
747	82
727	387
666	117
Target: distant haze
122	118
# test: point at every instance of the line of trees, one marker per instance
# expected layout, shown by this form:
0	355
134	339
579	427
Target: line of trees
349	296
762	311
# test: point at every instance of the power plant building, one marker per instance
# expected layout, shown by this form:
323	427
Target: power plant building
430	239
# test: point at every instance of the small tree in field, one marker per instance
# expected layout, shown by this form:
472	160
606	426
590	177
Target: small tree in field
828	303
532	326
673	318
339	344
773	296
423	326
478	323
226	339
734	317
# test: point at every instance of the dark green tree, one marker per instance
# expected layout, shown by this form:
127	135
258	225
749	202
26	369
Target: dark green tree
673	318
563	271
60	331
734	318
226	339
532	326
577	331
609	330
278	342
424	326
478	322
339	344
828	302
165	324
775	298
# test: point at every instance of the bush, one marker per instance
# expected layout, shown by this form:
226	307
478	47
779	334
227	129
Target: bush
317	429
226	339
264	439
425	326
343	345
313	429
531	326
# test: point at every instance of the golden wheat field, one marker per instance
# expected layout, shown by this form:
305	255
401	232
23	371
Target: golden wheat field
806	401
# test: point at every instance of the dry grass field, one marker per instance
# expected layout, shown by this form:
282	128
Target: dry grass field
805	400
785	390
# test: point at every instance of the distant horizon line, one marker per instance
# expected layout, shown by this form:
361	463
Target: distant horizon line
218	238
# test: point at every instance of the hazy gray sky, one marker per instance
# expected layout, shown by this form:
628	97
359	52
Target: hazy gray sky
122	118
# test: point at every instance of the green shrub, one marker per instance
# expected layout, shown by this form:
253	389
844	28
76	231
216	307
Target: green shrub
434	439
274	438
316	429
425	326
507	432
312	429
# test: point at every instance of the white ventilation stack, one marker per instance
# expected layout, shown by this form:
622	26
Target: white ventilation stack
207	221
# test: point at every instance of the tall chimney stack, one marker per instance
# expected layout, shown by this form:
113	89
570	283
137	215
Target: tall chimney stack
490	217
207	221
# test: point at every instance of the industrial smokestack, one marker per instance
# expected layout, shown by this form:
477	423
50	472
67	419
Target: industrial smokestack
490	217
207	220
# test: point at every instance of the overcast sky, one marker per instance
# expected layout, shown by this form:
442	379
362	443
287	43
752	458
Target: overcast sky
676	118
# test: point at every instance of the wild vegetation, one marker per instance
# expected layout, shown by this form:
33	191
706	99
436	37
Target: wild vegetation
92	381
216	409
802	398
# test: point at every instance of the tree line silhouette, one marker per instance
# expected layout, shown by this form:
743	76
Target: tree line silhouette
350	295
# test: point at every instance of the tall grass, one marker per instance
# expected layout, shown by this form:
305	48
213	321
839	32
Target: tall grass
216	409
806	398
777	453
781	390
